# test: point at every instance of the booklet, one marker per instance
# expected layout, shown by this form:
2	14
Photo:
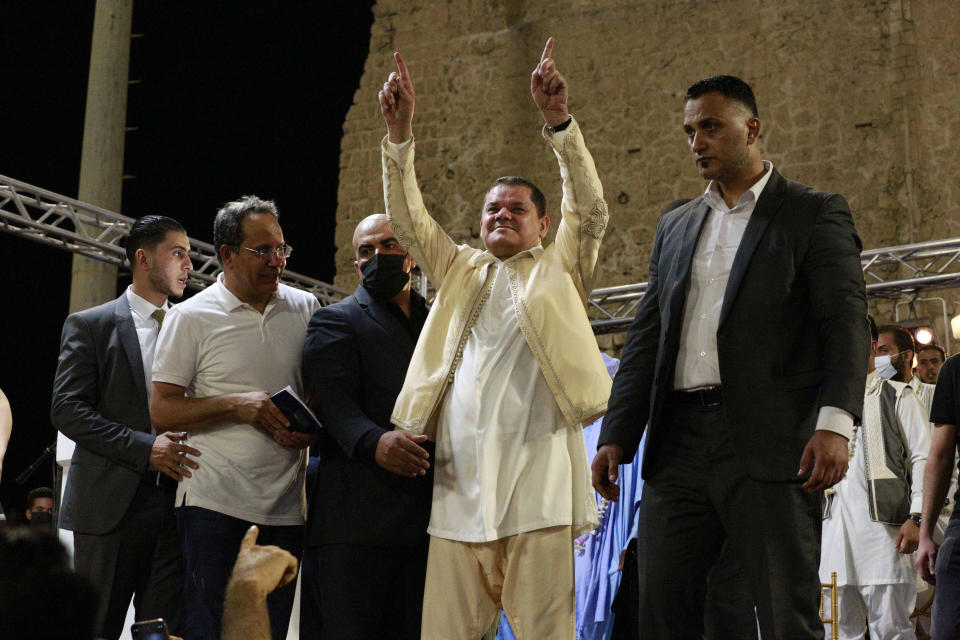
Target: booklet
301	418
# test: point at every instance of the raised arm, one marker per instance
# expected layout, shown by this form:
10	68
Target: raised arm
584	212
397	101
549	88
432	249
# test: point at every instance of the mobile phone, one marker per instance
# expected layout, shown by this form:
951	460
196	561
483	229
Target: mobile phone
150	630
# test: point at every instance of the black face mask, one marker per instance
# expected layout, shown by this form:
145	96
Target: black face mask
383	275
41	519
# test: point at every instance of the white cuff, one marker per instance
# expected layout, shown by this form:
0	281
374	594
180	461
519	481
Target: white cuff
916	503
836	420
559	135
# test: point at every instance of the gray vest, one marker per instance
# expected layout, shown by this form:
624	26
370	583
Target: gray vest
885	453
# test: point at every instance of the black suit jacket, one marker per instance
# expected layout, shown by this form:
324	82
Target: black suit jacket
354	362
100	402
792	333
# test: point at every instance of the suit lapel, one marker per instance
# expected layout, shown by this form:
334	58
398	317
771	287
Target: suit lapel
127	331
387	322
763	213
681	268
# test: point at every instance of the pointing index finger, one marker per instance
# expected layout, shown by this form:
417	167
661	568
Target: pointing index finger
547	50
401	65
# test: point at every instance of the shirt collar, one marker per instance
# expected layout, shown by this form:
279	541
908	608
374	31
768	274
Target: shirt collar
485	257
143	307
715	199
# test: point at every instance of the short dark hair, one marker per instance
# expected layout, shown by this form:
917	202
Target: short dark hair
39	492
935	347
901	337
874	334
147	232
536	196
228	225
729	86
40	597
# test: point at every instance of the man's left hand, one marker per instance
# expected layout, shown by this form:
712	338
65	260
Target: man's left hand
909	537
927	558
828	453
549	89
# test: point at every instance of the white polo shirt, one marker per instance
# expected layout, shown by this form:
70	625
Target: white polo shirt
214	344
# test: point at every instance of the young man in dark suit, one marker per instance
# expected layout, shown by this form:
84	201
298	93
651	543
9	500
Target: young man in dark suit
120	488
368	517
745	361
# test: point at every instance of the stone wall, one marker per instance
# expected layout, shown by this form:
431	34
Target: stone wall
859	98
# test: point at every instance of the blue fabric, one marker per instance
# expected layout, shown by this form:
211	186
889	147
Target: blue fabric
210	542
596	565
505	632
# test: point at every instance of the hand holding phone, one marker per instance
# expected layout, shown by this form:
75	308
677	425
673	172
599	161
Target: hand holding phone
150	630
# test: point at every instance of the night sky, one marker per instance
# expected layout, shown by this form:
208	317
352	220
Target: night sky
235	97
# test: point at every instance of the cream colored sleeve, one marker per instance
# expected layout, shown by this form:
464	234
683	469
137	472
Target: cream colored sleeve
427	242
584	212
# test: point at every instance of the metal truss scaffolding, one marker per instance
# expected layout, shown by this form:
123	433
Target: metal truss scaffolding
78	227
889	273
82	228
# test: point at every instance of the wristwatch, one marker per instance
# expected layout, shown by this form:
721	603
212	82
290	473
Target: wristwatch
560	127
915	519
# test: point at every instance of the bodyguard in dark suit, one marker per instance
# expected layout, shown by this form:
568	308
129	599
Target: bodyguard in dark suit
368	517
744	362
121	484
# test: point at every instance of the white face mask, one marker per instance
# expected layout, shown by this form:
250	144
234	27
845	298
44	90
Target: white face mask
884	366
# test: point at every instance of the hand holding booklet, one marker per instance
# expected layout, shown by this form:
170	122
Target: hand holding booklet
301	418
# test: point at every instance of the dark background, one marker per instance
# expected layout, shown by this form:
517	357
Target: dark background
235	97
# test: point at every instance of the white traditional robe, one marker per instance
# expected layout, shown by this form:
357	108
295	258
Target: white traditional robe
861	551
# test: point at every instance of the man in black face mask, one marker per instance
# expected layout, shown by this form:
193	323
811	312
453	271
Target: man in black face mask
366	527
40	506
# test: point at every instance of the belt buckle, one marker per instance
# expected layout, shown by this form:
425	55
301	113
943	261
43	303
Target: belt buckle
703	397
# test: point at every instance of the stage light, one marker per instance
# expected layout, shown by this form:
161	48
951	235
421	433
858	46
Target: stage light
921	329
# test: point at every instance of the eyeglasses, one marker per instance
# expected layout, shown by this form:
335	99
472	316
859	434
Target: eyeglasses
283	251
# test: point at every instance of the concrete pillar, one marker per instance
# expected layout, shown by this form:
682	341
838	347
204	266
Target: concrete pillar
101	164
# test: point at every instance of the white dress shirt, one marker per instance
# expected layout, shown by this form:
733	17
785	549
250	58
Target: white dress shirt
698	364
924	392
214	344
507	461
147	330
